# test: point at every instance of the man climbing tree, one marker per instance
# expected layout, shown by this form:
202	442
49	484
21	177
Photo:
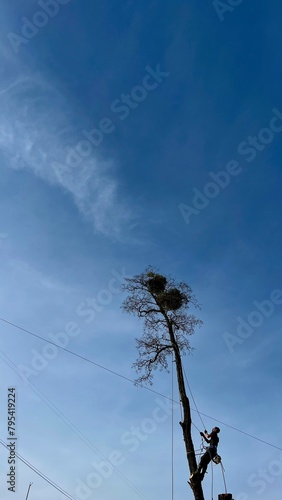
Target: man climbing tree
163	303
213	440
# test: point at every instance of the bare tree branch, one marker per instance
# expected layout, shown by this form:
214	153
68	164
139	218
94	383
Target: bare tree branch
163	303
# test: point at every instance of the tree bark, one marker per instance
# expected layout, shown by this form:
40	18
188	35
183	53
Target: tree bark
145	291
195	483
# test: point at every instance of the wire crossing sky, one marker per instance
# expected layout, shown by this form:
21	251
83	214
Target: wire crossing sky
136	134
22	375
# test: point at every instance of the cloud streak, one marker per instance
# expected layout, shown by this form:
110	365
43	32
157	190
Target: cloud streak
35	127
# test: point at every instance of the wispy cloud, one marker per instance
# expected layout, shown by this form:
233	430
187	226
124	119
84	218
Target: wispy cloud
35	127
25	271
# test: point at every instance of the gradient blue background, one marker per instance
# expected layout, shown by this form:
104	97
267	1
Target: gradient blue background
63	239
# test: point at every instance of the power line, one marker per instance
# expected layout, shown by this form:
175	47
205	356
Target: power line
193	399
37	471
242	432
76	431
30	484
84	358
131	381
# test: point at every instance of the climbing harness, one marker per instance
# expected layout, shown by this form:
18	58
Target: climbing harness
214	460
217	459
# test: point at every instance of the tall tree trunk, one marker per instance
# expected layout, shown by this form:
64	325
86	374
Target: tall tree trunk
195	483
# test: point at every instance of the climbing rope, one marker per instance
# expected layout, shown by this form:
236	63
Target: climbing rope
196	427
197	409
203	447
212	481
193	399
223	470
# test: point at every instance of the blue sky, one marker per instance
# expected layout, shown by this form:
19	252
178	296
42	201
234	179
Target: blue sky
137	133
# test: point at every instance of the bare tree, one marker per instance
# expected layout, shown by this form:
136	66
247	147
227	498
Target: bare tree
163	304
